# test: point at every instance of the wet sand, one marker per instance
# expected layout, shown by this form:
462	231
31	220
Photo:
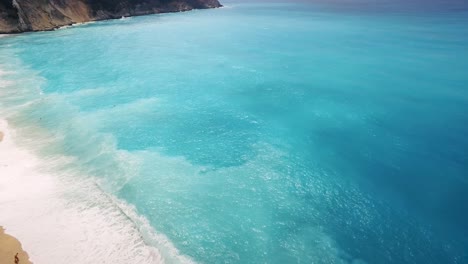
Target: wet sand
9	246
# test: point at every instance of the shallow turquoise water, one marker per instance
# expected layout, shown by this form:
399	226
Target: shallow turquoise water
285	132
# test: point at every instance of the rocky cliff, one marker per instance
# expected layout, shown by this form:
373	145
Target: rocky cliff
35	15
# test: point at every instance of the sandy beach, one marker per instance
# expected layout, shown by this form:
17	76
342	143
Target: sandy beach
11	247
63	216
78	223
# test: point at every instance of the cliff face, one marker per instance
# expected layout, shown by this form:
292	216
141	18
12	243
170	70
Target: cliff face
34	15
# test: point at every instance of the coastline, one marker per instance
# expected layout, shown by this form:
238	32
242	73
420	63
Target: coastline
31	18
74	24
10	248
79	223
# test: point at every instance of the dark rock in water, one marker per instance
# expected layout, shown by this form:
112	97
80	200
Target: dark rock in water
36	15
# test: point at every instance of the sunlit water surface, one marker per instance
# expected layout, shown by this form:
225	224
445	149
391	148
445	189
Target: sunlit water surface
266	132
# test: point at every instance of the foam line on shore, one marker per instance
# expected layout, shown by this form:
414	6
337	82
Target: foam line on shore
59	221
62	215
70	218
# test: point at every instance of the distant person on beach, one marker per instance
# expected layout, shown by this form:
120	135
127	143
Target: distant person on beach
16	259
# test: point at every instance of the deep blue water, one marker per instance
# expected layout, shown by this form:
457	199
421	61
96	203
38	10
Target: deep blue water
268	132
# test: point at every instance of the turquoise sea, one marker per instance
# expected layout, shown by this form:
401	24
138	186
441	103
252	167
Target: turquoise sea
264	131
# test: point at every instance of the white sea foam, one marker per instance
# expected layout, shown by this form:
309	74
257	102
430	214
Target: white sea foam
3	73
61	220
75	25
60	215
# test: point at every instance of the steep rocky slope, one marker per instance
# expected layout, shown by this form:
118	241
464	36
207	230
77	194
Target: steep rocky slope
34	15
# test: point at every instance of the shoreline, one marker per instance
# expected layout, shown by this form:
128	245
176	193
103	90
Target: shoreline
10	248
111	17
79	223
6	34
